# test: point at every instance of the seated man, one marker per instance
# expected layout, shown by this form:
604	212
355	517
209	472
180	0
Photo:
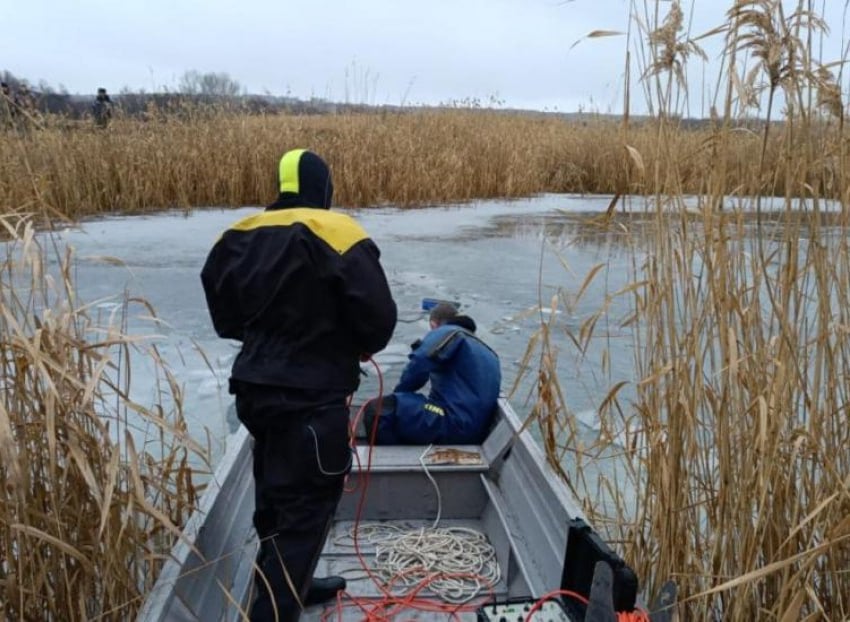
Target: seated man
465	381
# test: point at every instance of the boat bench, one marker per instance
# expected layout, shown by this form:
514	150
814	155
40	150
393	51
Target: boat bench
399	486
388	458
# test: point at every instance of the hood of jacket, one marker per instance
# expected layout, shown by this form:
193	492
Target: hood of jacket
305	181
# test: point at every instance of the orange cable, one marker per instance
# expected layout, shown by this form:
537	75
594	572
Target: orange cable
638	615
382	610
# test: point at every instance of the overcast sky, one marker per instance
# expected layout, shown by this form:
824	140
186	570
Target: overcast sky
520	52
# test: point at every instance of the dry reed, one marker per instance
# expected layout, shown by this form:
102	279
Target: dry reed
403	158
95	484
726	468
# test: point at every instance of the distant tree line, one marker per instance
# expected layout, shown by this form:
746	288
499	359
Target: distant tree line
195	91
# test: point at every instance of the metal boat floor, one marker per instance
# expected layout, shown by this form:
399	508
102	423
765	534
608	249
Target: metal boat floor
339	557
503	488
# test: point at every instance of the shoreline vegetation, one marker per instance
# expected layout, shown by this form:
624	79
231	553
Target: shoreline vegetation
211	157
736	444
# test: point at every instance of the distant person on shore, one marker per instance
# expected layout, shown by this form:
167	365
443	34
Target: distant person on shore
465	379
303	289
102	109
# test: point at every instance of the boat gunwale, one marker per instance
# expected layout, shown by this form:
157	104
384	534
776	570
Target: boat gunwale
498	449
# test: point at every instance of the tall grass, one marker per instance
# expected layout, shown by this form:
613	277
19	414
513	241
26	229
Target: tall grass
404	159
95	485
735	443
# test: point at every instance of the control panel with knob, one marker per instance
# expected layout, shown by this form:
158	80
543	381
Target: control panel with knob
518	610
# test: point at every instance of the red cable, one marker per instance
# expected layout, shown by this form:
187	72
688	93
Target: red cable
638	615
366	475
383	609
352	441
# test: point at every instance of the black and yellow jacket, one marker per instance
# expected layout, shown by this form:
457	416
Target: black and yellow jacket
300	286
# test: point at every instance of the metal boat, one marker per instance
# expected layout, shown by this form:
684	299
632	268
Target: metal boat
503	489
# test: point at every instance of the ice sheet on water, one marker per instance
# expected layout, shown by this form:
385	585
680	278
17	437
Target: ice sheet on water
479	254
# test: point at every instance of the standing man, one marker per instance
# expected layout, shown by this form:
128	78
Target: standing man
465	378
303	290
102	109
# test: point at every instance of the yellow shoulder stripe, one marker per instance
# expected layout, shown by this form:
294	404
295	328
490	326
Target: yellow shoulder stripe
339	231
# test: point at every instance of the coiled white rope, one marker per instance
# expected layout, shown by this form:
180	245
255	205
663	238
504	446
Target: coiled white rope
457	563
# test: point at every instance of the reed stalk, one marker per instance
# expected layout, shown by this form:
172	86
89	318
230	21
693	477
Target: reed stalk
96	484
724	465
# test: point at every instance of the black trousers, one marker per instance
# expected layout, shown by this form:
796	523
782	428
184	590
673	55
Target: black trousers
301	458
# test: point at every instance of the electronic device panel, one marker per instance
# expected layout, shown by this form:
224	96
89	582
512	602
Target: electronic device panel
518	609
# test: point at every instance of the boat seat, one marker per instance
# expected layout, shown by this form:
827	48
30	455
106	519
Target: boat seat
399	486
400	458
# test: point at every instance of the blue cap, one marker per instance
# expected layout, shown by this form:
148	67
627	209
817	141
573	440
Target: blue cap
430	303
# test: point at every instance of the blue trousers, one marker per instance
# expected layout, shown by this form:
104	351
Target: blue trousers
411	419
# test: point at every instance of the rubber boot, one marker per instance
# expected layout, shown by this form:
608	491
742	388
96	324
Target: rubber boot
323	590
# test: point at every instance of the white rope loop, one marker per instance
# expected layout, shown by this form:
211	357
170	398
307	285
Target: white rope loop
457	562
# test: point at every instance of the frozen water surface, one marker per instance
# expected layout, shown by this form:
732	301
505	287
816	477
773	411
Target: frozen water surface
500	259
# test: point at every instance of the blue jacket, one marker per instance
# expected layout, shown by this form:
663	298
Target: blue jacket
465	382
